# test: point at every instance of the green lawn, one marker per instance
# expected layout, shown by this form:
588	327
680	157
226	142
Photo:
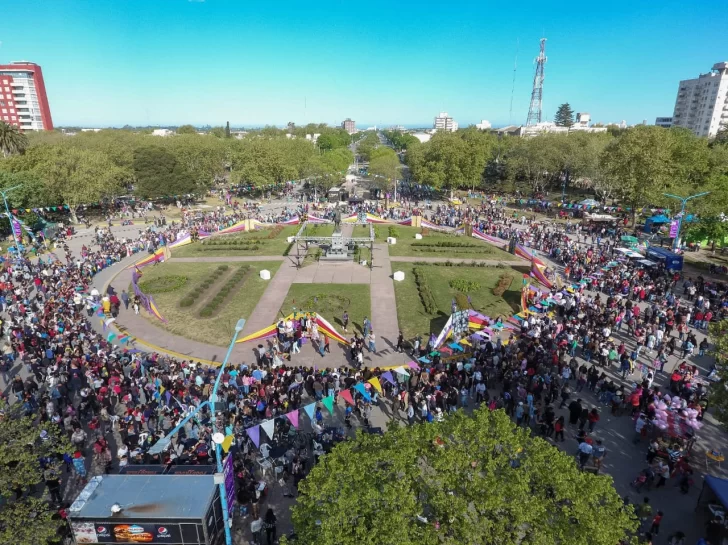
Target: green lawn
253	243
360	231
467	247
186	321
330	301
319	230
414	320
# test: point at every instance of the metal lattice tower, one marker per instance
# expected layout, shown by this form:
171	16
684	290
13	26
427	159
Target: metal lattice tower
534	110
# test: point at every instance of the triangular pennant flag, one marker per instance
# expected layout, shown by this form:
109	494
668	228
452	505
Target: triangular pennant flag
329	403
413	365
293	418
310	410
401	370
227	443
363	391
111	337
254	434
374	381
168	396
388	377
269	427
346	394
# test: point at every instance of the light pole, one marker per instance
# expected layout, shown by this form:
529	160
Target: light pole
684	201
10	217
160	445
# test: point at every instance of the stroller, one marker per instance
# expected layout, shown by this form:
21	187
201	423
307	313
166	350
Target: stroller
644	479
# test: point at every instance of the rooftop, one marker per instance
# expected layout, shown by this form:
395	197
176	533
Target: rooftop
145	497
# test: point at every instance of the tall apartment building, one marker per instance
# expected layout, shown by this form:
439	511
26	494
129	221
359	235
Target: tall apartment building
23	99
702	103
444	122
665	122
349	126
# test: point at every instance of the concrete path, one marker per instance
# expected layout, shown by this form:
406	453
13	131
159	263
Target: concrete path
266	311
333	272
384	305
228	259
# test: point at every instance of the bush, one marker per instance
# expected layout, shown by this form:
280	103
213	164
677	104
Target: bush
223	267
464	286
187	302
163	284
504	282
423	288
447	244
393	232
462	301
206	312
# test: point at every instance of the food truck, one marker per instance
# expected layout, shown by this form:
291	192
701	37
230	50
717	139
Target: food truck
133	509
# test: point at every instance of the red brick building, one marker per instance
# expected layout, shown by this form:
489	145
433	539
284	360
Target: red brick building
23	99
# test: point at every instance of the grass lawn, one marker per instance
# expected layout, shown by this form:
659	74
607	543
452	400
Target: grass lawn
186	322
318	230
253	243
361	231
330	301
414	320
469	247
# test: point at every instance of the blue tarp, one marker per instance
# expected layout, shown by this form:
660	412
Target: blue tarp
661	218
719	487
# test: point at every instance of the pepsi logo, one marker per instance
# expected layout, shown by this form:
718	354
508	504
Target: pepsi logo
162	530
101	529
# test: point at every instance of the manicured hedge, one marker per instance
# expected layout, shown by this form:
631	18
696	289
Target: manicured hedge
423	288
163	284
504	282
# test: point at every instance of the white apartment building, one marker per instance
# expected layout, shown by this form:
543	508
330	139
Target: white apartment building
702	103
484	125
665	122
444	122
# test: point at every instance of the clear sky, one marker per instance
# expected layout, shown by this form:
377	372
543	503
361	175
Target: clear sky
256	62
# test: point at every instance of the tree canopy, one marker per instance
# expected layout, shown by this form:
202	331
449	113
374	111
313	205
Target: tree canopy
28	518
12	140
476	479
159	173
564	116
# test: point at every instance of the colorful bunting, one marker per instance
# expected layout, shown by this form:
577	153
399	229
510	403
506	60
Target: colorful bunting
293	418
269	427
329	403
346	394
388	377
363	391
310	410
374	381
254	434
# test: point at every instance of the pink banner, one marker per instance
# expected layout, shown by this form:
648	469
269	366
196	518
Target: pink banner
674	225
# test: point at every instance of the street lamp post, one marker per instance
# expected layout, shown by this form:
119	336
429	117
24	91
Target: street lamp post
10	218
683	201
162	444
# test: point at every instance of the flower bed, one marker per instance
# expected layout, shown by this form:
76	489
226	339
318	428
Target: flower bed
220	298
163	284
198	290
423	288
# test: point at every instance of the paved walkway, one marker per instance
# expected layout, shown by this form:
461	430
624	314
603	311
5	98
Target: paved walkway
384	305
228	259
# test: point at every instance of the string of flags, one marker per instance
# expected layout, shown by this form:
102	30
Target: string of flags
62	207
269	425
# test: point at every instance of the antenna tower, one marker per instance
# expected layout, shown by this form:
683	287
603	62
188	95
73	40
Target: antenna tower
534	110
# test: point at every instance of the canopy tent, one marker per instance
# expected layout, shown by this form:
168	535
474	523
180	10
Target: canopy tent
323	325
652	224
717	490
589	202
629	253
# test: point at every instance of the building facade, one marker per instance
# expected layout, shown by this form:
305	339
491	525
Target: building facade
702	103
444	122
665	122
23	99
349	126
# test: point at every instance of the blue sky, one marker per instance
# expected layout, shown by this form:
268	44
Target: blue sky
112	62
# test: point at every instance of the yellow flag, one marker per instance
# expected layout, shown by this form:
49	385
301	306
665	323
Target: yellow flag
227	443
375	382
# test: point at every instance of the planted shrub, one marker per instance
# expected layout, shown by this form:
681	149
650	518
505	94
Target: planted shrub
206	312
423	288
163	284
393	232
462	301
504	282
464	286
187	302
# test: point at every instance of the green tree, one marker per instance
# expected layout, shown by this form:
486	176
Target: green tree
12	140
158	173
28	519
718	392
218	132
186	129
641	163
564	116
74	176
385	167
476	479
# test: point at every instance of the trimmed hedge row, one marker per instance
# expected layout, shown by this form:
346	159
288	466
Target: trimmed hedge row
190	299
163	284
423	288
504	282
464	286
219	299
448	244
225	247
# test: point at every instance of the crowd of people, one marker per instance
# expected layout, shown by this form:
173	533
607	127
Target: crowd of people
116	403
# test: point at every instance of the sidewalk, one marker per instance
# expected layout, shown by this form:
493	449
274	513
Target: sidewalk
384	305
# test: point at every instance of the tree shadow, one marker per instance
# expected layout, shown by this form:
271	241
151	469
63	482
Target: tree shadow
513	298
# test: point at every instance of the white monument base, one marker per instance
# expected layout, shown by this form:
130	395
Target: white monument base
290	239
398	276
418	236
265	274
391	240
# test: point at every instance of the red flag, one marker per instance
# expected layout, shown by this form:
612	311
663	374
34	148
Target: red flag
346	394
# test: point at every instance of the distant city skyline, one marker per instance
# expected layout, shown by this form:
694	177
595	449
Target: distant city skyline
207	62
